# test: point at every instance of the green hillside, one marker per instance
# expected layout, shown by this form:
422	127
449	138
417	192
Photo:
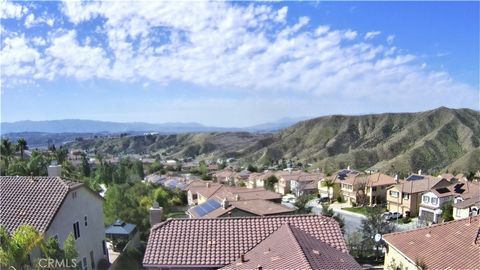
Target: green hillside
434	140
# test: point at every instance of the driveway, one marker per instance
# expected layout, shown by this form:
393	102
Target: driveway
353	221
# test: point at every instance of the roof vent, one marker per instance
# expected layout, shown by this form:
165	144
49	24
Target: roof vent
420	172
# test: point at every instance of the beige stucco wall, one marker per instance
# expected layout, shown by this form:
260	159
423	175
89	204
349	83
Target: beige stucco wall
459	213
87	204
394	259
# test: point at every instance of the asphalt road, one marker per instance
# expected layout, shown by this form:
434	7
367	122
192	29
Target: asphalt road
353	222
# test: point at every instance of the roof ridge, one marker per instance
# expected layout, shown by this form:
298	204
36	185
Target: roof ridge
297	241
255	217
433	226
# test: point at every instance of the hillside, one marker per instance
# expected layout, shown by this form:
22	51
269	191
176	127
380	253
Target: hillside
434	140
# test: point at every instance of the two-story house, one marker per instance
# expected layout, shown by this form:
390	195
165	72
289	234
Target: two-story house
305	183
225	177
258	179
468	207
433	200
56	207
405	196
376	187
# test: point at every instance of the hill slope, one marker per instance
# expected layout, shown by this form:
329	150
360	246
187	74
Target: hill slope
394	142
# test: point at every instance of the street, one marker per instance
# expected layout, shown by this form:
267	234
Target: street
353	222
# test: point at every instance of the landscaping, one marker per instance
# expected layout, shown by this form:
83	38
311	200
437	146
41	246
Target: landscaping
359	210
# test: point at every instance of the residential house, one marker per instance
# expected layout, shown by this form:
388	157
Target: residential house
438	196
338	178
450	245
467	208
376	187
225	177
258	179
284	180
305	183
274	242
56	207
405	196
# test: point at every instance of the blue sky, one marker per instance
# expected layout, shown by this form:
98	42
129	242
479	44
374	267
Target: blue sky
235	63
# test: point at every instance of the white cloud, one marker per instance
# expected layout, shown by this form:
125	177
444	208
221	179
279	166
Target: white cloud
371	35
222	45
31	20
390	39
9	10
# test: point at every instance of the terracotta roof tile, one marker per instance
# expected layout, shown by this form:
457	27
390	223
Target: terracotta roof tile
450	245
218	242
292	248
32	200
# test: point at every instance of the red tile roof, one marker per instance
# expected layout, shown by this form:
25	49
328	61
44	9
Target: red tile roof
256	207
219	242
450	245
292	248
32	200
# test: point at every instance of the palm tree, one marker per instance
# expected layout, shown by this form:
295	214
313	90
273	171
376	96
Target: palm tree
22	146
16	247
6	151
329	183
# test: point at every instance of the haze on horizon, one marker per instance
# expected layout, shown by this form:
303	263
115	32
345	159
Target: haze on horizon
235	64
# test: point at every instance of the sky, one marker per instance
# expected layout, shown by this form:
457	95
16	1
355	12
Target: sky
235	64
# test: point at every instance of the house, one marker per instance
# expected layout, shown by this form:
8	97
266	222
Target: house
273	242
258	179
225	177
467	208
450	245
376	187
216	207
56	207
284	180
200	191
338	179
433	200
305	183
405	196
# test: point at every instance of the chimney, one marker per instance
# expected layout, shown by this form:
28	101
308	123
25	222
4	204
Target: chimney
420	172
225	203
396	178
156	214
348	168
208	184
237	197
54	170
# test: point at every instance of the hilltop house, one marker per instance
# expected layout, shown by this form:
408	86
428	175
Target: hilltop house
450	245
56	207
405	196
433	200
277	242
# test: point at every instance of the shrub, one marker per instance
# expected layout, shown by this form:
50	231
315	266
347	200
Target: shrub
339	198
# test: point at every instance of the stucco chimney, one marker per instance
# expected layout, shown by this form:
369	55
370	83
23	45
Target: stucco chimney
348	168
225	203
396	178
156	214
54	170
420	172
208	184
237	197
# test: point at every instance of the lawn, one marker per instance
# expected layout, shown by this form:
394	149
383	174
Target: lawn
358	210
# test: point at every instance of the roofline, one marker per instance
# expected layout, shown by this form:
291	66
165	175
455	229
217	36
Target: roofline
401	253
182	266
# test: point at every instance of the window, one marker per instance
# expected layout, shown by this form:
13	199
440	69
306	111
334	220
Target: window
434	201
86	223
104	246
406	196
457	212
394	194
374	188
84	263
426	199
76	230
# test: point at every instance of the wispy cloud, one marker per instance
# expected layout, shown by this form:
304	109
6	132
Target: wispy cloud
218	45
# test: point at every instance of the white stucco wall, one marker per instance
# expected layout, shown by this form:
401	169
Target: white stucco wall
87	204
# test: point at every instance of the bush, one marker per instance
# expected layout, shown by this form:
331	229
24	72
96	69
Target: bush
406	220
354	204
339	198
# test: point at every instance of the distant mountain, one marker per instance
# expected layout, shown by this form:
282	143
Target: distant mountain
92	126
433	141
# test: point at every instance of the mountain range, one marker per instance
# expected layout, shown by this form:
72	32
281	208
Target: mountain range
437	140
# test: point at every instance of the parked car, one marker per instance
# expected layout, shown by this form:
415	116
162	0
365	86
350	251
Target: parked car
396	215
386	215
323	200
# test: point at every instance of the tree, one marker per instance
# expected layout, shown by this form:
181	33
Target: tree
329	184
301	204
372	225
447	212
51	249
69	248
6	151
270	182
61	154
16	247
252	168
138	168
22	146
85	166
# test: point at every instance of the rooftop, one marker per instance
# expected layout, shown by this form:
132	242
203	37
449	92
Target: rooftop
220	241
32	200
450	245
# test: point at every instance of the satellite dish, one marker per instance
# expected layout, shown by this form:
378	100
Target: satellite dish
378	237
438	211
